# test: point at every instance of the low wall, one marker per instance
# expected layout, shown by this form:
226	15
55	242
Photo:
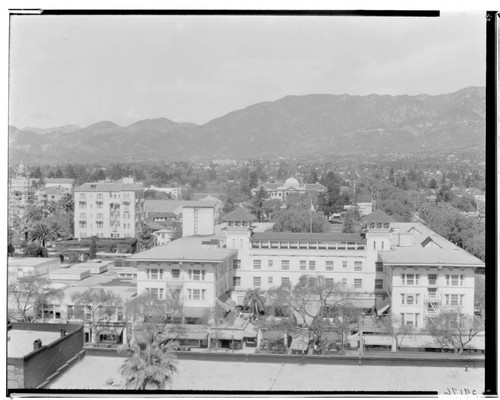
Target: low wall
429	360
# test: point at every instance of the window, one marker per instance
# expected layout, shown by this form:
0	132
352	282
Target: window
454	300
410	279
190	296
344	281
236	281
257	264
358	266
154	274
99	204
82	204
303	265
270	280
203	291
196	294
329	282
285	281
432	279
256	281
410	300
312	265
154	292
285	265
344	264
329	265
453	280
82	196
83	216
358	283
379	267
462	280
236	264
176	273
270	263
379	283
197	275
160	296
431	292
99	195
99	224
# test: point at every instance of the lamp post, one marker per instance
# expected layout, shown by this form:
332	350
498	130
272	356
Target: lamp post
360	336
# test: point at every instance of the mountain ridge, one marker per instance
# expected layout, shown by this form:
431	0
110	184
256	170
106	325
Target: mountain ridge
312	124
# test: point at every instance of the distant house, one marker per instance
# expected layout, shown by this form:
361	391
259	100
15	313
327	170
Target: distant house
64	184
290	187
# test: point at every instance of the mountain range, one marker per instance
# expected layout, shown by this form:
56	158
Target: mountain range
308	125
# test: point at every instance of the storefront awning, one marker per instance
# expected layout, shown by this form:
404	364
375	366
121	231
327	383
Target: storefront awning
226	334
273	335
250	331
383	309
186	335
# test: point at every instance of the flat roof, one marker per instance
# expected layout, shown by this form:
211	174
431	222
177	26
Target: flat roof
429	256
92	372
173	206
29	261
188	248
20	342
109	187
310	237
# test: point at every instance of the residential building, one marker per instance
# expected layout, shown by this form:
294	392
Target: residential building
109	209
21	193
196	268
291	187
174	192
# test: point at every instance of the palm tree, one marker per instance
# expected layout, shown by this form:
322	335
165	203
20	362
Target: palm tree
151	365
43	233
254	301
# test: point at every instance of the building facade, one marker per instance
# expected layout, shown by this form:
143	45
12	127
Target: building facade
291	187
110	209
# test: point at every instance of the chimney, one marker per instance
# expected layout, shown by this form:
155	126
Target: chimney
63	332
37	344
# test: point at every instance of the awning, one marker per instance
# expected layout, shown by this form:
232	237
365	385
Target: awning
186	335
300	343
250	331
383	309
195	312
273	335
226	334
111	331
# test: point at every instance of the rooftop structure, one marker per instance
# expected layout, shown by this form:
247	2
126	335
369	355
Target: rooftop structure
290	187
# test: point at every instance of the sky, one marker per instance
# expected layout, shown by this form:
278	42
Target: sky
84	69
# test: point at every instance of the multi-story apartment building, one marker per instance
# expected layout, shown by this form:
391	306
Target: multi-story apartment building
109	209
21	193
195	270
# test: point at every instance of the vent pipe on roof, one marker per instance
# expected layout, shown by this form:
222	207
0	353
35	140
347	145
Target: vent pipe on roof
37	344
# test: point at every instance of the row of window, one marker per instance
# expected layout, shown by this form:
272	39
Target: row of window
126	215
100	225
303	265
451	280
196	294
285	281
100	196
81	312
274	244
194	274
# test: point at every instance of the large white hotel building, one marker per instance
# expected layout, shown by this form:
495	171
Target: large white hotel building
392	267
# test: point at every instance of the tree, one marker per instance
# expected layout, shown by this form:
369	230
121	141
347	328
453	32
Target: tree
257	207
312	300
27	294
348	225
146	308
454	330
393	325
100	305
254	180
146	239
35	250
151	365
464	203
93	248
299	220
332	200
432	184
43	233
66	203
254	300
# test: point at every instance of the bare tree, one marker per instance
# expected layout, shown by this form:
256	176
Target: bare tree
99	306
393	325
317	304
454	330
27	294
